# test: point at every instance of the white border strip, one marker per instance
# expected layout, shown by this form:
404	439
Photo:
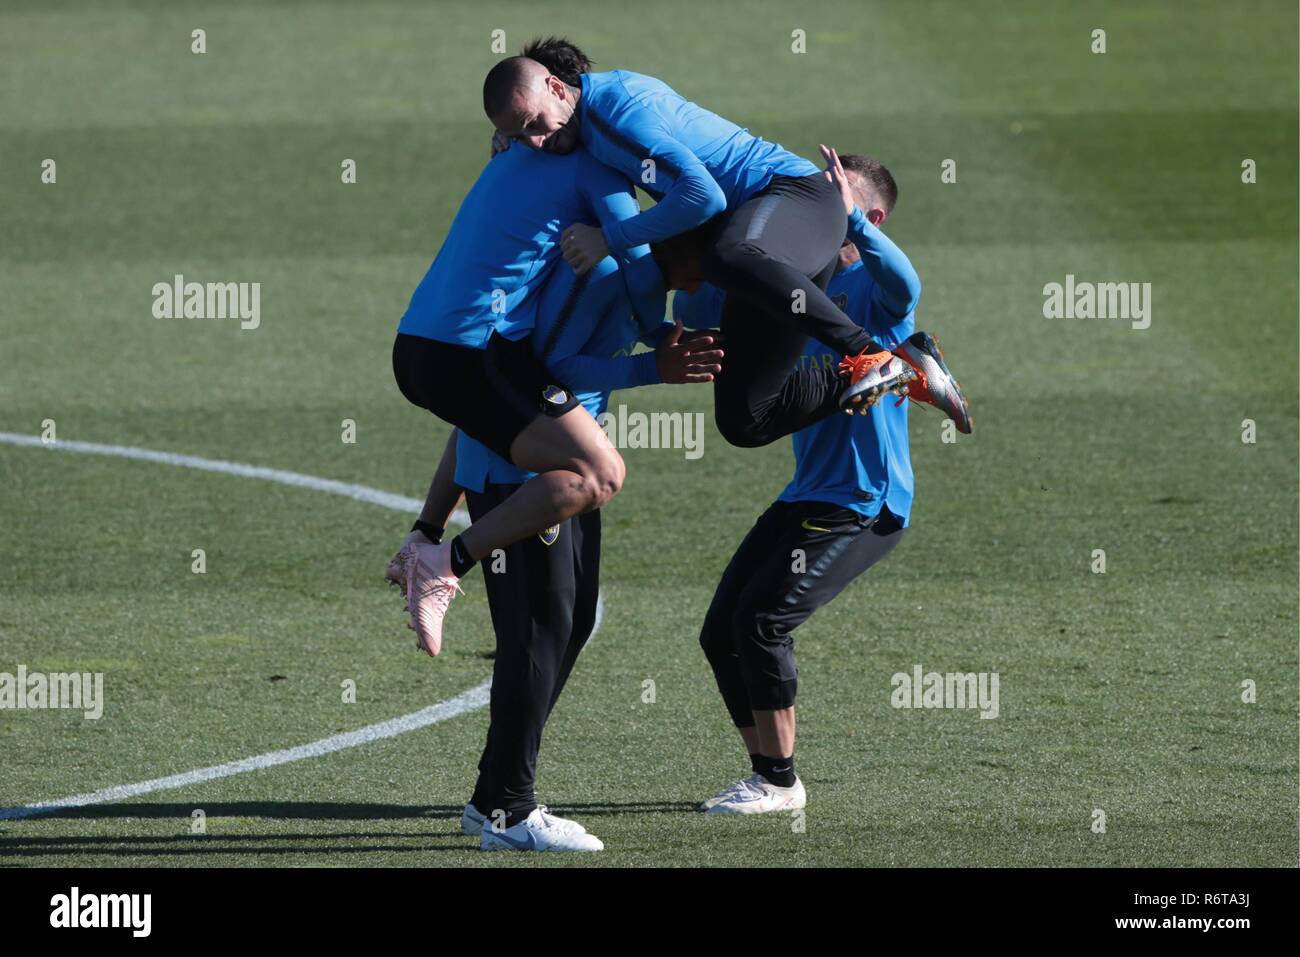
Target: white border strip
471	700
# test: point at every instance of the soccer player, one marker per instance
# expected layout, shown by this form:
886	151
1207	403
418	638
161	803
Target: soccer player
844	510
462	353
542	591
773	223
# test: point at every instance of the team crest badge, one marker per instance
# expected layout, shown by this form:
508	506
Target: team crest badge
841	300
555	395
549	535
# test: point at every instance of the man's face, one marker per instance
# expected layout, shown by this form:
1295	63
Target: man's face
541	116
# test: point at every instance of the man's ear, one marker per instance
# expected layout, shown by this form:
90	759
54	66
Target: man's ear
876	216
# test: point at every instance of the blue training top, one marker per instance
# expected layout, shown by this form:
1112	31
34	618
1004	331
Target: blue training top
693	162
585	334
504	242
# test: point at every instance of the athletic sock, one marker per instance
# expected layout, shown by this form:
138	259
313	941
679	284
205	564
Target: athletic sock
778	771
461	563
430	531
756	763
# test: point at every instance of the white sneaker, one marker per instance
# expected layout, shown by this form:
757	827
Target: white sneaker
758	795
727	792
563	823
472	822
538	833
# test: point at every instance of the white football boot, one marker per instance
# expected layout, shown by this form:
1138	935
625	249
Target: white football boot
728	791
539	832
472	822
758	795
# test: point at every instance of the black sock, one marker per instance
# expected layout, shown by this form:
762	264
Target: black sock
430	531
756	763
778	771
461	563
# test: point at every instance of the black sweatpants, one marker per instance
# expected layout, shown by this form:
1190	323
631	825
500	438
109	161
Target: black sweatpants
774	256
543	603
796	558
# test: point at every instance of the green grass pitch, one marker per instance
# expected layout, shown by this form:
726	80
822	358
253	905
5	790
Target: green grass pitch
1120	692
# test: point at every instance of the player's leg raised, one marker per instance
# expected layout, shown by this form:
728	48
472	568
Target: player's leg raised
578	470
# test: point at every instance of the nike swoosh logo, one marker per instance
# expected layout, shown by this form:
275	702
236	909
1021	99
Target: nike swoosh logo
527	844
813	528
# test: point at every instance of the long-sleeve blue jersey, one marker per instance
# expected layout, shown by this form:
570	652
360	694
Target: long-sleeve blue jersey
859	462
693	162
504	242
585	334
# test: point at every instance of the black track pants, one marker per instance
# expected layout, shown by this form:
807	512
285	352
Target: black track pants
543	603
796	558
773	256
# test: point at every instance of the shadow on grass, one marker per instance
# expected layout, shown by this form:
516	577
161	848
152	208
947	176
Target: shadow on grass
273	810
14	844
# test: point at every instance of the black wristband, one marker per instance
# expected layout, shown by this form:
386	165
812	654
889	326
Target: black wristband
432	532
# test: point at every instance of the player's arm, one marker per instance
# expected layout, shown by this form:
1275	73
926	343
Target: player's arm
701	309
579	345
594	373
691	195
612	200
635	142
679	357
898	287
444	496
442	499
562	337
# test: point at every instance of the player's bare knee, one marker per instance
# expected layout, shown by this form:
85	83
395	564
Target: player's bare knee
608	479
599	480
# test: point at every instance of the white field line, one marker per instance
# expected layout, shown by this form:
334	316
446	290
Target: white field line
360	493
471	700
